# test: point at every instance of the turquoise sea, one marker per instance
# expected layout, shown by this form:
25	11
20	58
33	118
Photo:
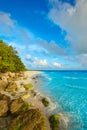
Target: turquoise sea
67	89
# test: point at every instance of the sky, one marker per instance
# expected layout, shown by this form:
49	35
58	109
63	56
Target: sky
48	34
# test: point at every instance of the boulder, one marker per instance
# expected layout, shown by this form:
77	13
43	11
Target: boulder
3	85
31	120
4	97
11	87
18	106
10	74
3	108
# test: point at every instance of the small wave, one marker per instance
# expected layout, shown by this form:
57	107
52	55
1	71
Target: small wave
74	86
46	77
64	121
66	77
80	78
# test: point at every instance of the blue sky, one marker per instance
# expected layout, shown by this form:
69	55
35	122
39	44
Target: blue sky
48	34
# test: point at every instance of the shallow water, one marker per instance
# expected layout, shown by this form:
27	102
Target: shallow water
68	89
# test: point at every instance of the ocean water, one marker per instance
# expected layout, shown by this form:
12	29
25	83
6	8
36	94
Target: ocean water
67	89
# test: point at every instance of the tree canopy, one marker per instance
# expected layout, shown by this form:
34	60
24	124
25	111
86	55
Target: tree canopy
9	60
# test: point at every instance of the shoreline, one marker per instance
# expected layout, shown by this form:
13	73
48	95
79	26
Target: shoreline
33	77
24	86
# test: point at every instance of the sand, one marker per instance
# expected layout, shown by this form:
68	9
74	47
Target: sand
34	100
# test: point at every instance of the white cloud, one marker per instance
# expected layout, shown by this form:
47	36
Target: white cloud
28	56
10	29
82	59
73	19
56	64
5	19
51	47
40	62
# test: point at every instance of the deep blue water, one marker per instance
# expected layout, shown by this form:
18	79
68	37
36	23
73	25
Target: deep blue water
69	90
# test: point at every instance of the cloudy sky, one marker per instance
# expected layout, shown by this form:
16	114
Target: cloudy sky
48	34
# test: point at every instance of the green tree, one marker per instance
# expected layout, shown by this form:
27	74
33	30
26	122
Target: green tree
9	60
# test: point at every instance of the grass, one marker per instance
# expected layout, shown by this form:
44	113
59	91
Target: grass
25	108
19	126
28	86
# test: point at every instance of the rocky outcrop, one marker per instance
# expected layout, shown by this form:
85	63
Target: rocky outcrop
3	108
11	87
4	105
3	85
4	97
18	106
31	120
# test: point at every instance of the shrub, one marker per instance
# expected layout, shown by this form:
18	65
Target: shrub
19	126
45	102
25	107
54	122
9	60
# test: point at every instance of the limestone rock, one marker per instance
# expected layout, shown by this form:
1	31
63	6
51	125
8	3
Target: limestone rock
18	106
11	87
4	97
3	85
31	120
3	108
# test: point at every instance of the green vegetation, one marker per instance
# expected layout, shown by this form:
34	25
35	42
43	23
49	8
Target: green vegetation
25	107
9	60
19	126
33	119
28	86
45	102
54	121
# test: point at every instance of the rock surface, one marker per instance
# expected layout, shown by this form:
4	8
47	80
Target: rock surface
3	84
18	106
11	87
31	120
3	108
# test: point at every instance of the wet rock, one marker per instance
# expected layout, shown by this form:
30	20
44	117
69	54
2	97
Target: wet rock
3	108
31	120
